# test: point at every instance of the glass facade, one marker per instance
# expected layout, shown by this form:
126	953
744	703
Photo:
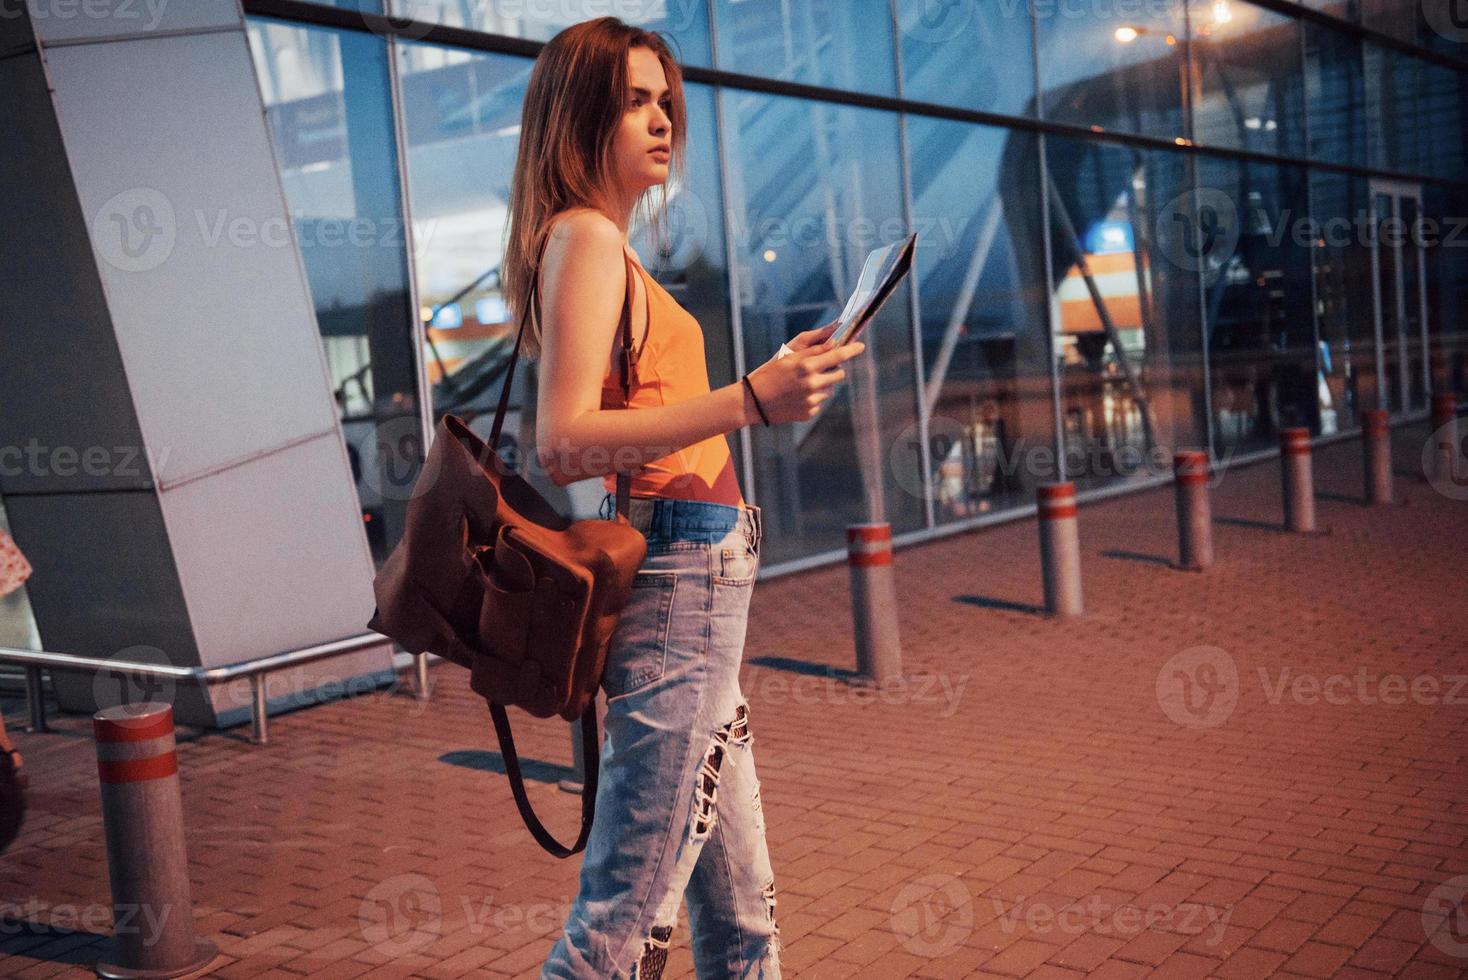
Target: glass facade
1141	227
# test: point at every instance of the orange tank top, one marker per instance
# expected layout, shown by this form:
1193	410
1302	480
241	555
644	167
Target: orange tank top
671	367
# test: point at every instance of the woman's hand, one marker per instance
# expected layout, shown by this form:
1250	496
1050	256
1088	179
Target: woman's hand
805	338
792	388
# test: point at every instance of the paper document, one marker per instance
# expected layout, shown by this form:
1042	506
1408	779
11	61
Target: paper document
880	273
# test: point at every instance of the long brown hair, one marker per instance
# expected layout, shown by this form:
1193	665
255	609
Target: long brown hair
576	98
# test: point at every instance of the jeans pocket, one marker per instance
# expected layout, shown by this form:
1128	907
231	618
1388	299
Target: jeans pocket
738	564
639	652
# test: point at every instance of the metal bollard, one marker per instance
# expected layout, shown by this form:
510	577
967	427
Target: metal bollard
1376	439
1060	549
1298	479
574	782
874	602
142	816
1444	414
1194	510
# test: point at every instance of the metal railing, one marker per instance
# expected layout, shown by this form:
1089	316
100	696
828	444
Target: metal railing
34	661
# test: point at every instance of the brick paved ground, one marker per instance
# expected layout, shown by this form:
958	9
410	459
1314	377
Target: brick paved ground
1048	808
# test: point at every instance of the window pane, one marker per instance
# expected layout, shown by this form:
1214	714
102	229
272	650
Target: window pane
976	56
326	96
1248	67
684	23
1339	206
815	187
1125	307
1441	25
1256	298
1335	96
1116	66
1414	114
843	44
1446	235
991	431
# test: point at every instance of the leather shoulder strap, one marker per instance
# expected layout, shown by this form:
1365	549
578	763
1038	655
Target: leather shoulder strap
590	730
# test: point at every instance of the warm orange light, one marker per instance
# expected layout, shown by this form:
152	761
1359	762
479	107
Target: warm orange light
1126	35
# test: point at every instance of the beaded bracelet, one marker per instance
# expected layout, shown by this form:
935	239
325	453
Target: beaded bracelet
757	405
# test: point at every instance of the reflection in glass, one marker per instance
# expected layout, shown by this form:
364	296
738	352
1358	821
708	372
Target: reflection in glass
1125	308
1343	295
1334	95
1249	81
1446	212
683	23
326	98
985	348
844	44
813	188
1414	115
1257	304
1115	66
976	56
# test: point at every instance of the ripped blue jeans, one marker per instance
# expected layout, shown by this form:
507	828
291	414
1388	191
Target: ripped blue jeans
678	810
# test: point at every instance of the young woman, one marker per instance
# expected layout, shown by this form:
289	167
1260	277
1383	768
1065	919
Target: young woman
677	809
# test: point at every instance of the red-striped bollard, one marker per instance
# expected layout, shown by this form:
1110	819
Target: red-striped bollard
142	818
1298	479
874	602
1376	439
1194	511
1445	432
1060	549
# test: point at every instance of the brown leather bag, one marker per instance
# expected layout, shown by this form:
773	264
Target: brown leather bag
490	576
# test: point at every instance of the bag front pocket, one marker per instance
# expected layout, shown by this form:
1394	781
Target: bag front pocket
638	655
